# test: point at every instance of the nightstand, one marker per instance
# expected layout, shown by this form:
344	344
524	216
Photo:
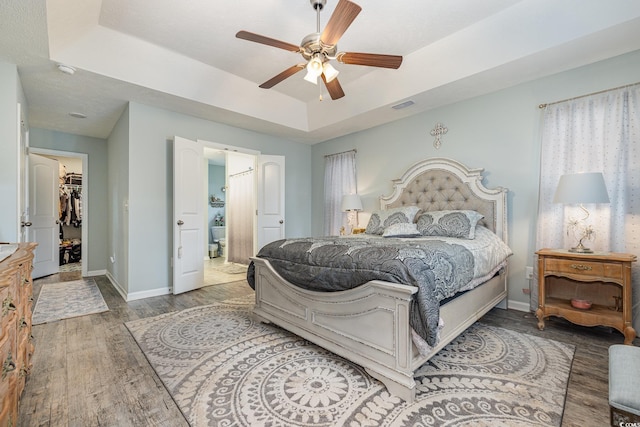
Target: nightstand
604	278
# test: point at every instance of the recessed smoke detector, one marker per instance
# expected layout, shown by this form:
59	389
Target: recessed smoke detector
66	69
403	105
78	115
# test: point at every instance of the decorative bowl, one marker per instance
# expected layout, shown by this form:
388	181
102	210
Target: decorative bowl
581	304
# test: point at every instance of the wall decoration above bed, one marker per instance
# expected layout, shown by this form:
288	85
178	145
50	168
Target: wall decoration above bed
389	303
438	131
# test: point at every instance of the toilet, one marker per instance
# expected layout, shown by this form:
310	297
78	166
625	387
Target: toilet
218	238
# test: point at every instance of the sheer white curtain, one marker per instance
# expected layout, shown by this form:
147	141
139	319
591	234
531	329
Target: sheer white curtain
597	133
339	179
240	214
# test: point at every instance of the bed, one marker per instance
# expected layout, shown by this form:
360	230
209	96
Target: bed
372	324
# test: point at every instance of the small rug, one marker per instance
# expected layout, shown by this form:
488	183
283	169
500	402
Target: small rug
63	300
66	268
231	268
223	368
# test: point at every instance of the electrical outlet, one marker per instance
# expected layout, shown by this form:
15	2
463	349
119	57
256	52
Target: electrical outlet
528	273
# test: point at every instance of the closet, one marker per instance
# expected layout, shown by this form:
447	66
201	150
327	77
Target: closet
70	215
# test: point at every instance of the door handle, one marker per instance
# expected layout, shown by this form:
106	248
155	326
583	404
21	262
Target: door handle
26	223
281	221
180	222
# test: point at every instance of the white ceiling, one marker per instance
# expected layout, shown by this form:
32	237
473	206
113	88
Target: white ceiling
183	56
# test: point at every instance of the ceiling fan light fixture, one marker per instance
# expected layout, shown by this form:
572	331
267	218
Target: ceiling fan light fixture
311	76
314	69
329	72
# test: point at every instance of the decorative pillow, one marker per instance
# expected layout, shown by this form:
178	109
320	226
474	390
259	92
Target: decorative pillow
382	219
461	224
401	229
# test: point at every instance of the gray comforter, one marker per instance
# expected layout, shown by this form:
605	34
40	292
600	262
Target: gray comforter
439	269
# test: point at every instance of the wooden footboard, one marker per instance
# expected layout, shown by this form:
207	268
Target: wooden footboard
368	325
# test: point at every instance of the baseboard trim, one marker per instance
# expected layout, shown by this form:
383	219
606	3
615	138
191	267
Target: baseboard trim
136	295
96	273
147	294
116	285
519	306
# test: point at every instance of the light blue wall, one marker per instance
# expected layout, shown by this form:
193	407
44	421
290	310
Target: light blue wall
151	131
498	132
216	180
96	150
10	96
117	197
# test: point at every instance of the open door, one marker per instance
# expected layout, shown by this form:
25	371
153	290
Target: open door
270	199
188	215
43	217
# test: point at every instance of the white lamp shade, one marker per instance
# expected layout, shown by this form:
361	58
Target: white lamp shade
329	72
311	77
351	202
581	188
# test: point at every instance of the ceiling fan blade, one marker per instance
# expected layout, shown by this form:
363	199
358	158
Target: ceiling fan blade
370	59
253	37
334	88
280	77
342	17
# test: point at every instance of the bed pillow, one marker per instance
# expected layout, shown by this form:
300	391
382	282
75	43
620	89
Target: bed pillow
382	219
401	229
460	224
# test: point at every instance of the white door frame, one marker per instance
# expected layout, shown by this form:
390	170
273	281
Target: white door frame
85	196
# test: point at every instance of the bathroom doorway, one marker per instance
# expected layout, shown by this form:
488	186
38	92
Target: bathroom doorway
230	220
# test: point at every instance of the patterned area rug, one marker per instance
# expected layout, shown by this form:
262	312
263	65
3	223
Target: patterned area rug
63	300
223	368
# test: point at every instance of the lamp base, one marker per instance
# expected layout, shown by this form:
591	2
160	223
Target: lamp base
580	249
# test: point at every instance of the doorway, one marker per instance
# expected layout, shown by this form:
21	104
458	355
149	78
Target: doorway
231	189
72	205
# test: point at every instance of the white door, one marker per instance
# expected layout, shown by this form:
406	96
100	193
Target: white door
188	215
270	199
43	216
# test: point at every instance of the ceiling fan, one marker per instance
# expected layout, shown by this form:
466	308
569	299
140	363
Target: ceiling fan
318	49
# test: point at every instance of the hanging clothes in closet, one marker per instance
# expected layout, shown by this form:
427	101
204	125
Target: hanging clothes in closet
71	205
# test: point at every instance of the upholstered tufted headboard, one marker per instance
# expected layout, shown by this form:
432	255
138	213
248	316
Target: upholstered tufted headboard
443	184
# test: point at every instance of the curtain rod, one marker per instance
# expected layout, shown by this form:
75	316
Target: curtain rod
240	173
589	94
342	152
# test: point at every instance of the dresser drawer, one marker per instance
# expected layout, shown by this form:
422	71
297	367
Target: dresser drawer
584	268
7	309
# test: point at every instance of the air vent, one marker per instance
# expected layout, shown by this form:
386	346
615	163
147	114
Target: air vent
403	105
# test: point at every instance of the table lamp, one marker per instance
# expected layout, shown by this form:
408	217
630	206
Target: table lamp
580	189
351	203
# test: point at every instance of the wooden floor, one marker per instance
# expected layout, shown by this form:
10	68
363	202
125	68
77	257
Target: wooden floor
88	371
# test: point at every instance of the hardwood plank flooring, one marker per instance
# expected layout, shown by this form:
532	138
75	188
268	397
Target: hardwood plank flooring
88	371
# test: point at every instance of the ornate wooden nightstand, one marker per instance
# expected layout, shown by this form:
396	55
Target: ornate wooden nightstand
603	278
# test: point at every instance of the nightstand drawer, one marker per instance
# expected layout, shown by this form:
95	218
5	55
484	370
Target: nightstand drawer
583	268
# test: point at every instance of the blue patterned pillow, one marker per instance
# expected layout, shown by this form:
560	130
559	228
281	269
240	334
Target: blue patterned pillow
382	219
460	224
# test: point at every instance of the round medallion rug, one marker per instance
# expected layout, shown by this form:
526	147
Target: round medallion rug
222	368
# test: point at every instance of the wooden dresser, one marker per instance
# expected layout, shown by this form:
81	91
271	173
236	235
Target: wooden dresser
604	279
16	344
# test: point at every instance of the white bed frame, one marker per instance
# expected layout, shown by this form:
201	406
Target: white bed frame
369	325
